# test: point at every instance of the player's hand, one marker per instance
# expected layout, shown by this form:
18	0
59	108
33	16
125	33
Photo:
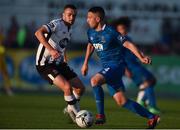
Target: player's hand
146	60
84	70
54	53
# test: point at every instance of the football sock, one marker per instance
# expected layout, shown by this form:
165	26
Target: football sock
149	92
138	109
71	103
99	97
141	96
77	97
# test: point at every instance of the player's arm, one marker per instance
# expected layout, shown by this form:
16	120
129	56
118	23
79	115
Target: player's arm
89	52
40	34
144	59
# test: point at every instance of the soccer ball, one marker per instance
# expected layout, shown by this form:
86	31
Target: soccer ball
84	119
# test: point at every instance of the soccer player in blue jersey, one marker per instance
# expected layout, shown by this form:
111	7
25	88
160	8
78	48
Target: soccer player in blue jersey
142	77
109	45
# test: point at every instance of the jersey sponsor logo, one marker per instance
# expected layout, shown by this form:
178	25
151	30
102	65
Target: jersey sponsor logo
63	43
103	40
98	46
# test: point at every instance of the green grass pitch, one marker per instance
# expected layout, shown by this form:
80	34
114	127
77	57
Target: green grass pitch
45	111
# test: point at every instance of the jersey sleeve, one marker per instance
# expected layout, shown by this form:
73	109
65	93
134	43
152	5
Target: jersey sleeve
88	35
121	39
51	26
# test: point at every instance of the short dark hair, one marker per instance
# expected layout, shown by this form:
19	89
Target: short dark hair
71	6
125	21
99	10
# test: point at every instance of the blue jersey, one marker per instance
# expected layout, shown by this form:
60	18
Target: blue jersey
108	44
130	59
139	72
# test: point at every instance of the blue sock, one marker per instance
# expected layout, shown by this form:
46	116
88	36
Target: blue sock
99	97
138	109
149	92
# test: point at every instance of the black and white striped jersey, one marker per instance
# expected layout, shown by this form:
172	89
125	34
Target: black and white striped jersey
58	37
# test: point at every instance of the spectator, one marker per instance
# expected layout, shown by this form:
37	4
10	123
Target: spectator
12	33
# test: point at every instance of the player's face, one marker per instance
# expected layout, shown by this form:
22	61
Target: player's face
93	20
69	16
121	29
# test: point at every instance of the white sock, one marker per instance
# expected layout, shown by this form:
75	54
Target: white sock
140	95
77	100
71	103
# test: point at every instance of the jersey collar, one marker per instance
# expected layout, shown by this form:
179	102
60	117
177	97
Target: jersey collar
103	26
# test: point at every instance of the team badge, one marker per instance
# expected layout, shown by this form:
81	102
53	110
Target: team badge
51	25
120	38
103	40
91	38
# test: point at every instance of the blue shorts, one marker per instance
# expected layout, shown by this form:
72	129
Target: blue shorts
113	76
140	74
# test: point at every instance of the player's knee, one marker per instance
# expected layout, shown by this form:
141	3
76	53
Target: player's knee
80	91
121	102
120	99
94	81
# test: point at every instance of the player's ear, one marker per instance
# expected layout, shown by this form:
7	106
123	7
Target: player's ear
98	19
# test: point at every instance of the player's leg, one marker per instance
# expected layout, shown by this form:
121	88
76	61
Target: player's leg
78	89
146	92
96	82
121	100
116	88
5	76
65	86
150	97
132	106
54	75
75	83
136	108
141	97
108	75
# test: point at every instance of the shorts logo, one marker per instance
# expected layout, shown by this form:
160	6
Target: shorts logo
54	71
105	70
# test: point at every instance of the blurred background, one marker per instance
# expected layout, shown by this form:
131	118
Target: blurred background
155	29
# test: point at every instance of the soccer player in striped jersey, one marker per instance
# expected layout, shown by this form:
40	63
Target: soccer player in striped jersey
51	59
